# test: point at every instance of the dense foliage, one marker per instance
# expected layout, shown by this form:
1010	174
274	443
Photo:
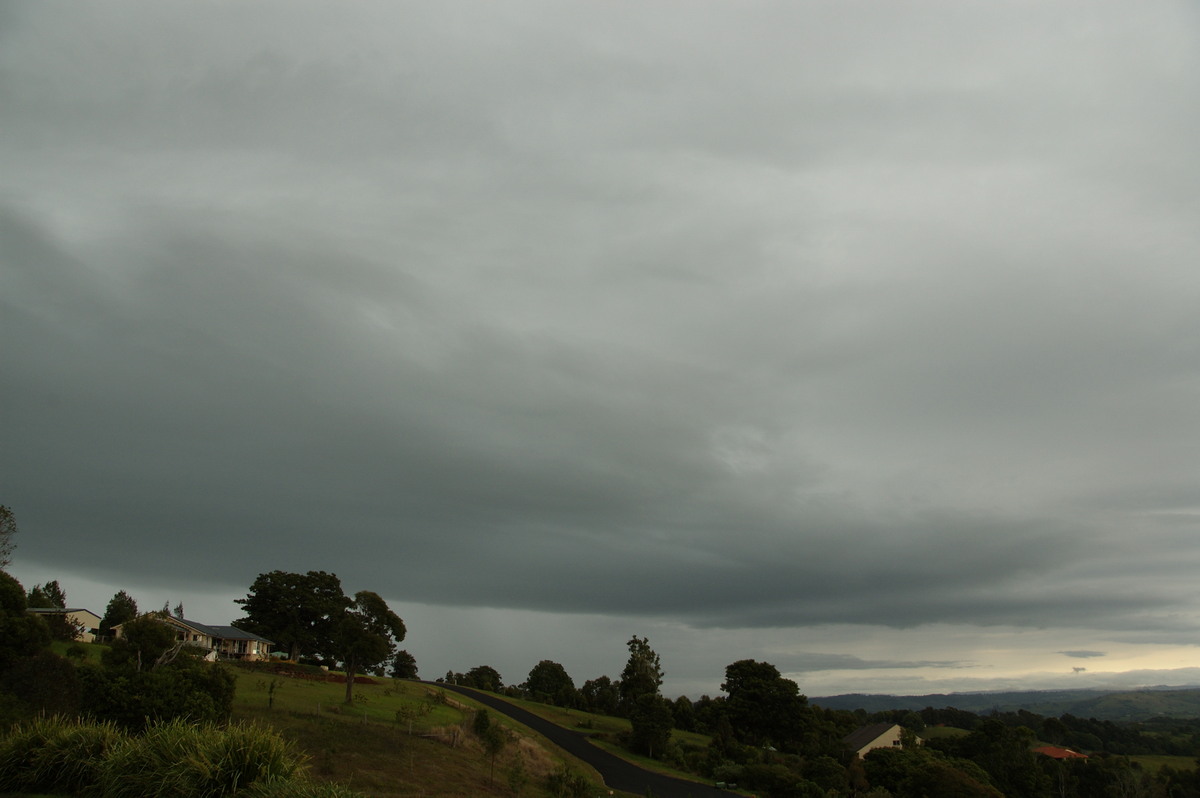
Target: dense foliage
186	760
549	683
404	665
146	676
8	530
365	636
308	614
21	634
121	609
298	612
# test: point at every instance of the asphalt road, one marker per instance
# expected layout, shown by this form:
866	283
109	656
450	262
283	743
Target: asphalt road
616	772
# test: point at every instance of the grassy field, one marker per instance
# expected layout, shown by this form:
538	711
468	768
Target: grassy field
1155	763
91	651
936	732
404	739
399	738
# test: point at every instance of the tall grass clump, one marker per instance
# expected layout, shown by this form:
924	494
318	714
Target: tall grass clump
242	754
188	761
297	788
55	755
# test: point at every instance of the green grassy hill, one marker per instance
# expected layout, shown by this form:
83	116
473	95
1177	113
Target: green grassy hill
403	738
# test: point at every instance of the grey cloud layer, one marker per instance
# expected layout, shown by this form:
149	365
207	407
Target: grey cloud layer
761	318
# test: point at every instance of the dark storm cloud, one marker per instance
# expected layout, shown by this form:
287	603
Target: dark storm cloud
1082	654
748	317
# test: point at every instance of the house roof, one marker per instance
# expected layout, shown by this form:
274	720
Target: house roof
57	610
867	734
1056	752
222	632
234	633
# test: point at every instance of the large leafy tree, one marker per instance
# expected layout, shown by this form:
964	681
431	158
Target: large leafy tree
548	682
763	707
52	596
298	612
599	695
8	529
121	609
484	677
365	636
643	673
650	721
143	645
404	666
21	633
685	713
49	595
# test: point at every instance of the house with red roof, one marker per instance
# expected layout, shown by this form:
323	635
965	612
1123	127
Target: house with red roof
1057	752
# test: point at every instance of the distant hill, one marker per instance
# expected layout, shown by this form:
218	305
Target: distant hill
1126	705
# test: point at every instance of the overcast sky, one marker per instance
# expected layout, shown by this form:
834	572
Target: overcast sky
862	338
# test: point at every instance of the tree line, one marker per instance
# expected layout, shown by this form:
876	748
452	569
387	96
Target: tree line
765	736
762	733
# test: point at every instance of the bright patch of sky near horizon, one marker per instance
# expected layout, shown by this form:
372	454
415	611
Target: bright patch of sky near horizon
859	338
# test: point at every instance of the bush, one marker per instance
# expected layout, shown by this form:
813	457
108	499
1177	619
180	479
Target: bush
291	788
177	759
44	684
566	783
187	761
55	755
187	689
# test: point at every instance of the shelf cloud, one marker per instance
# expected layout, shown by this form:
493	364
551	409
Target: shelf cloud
738	320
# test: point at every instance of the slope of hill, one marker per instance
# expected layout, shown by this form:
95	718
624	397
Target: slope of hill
1129	705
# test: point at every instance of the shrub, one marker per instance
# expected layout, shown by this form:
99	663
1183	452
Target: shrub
566	783
293	788
44	684
55	755
196	691
243	754
187	761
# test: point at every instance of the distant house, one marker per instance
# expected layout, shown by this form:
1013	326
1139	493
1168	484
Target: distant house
1057	752
218	642
877	735
85	620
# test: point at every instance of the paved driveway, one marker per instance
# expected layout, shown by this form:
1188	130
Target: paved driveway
616	772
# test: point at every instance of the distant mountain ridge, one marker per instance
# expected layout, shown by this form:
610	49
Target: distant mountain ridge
1114	705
